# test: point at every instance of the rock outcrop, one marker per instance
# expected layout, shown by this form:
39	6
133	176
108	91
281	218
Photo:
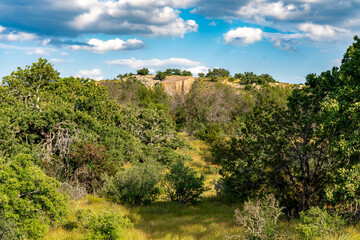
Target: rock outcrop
173	85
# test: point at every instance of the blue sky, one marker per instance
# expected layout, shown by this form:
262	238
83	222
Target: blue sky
99	39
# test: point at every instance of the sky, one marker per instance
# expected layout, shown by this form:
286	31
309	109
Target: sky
100	39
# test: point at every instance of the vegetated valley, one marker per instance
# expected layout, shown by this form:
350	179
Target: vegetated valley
218	157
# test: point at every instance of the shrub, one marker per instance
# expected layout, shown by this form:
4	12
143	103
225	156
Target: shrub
143	71
317	222
260	217
106	226
29	200
136	185
160	75
183	184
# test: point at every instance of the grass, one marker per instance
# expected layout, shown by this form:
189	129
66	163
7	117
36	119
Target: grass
164	220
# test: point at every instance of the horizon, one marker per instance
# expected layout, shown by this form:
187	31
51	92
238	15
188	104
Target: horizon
100	39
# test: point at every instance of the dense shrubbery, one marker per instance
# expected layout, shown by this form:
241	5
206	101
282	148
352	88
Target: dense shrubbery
136	185
106	226
29	200
296	151
317	222
183	185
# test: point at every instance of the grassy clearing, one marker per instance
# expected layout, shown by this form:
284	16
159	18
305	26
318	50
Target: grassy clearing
165	220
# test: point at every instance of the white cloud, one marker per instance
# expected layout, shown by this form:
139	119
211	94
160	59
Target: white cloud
38	51
16	36
99	46
95	74
57	60
177	28
60	60
144	17
319	32
198	69
29	50
136	64
213	24
259	10
243	36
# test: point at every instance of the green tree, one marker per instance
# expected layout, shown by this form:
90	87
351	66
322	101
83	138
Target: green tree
295	152
160	75
183	185
143	71
29	200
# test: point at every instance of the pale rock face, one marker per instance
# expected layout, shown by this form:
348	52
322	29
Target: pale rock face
173	85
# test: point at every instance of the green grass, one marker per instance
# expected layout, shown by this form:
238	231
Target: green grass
165	220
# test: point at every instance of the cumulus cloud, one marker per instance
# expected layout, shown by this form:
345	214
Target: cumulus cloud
12	36
260	11
319	32
286	15
243	36
95	74
198	69
137	63
71	18
99	46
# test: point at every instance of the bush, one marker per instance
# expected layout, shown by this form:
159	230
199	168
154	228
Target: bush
317	222
183	184
136	185
260	217
29	200
106	226
143	71
160	75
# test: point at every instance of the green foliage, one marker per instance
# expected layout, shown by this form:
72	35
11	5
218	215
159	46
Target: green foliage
260	218
29	200
295	152
186	73
248	78
183	185
344	192
76	132
317	222
160	75
143	71
137	185
217	74
200	75
106	226
207	106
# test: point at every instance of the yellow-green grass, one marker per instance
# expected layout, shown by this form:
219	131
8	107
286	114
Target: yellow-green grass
166	220
160	220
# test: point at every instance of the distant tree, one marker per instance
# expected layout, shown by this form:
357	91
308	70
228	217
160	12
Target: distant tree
160	75
217	74
186	73
201	74
251	78
143	71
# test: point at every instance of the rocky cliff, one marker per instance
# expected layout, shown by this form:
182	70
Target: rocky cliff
173	85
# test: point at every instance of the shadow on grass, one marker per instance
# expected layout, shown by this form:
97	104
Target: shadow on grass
209	219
